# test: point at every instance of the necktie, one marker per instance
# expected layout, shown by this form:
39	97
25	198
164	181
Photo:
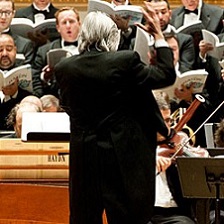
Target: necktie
75	43
36	11
187	11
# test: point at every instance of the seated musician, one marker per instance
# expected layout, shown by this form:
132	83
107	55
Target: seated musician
15	117
50	103
170	206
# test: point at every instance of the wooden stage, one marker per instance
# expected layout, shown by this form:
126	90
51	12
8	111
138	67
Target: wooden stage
34	182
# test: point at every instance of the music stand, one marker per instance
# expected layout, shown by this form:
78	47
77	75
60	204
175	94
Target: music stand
202	178
218	151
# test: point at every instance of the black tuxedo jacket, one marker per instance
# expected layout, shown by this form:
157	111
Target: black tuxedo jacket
112	111
40	88
211	17
186	51
25	48
28	12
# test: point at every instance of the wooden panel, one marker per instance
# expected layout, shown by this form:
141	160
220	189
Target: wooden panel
33	160
82	4
33	200
24	203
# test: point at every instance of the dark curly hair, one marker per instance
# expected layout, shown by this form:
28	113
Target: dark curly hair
219	134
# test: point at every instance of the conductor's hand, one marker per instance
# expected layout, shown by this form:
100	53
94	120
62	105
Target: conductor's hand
152	25
121	22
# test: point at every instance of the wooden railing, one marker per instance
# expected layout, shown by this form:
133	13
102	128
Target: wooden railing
81	5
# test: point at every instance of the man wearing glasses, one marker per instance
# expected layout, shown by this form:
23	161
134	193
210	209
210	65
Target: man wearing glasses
25	48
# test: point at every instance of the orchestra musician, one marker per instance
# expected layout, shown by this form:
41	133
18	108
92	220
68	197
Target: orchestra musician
14	118
170	206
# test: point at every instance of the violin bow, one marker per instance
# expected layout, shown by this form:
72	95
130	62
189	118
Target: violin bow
193	134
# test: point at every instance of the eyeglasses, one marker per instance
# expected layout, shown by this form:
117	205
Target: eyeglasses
6	13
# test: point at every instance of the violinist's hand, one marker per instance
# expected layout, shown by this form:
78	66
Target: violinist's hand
162	163
185	93
165	151
204	47
152	25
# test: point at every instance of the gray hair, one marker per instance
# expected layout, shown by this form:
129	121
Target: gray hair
99	31
49	101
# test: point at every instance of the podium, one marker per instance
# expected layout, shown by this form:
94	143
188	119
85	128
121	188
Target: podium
202	178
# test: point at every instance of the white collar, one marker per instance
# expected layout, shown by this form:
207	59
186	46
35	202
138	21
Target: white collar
169	28
46	8
5	98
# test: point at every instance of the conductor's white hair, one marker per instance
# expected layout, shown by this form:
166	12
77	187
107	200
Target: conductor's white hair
99	31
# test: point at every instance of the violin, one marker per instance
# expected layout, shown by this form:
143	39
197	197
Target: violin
178	144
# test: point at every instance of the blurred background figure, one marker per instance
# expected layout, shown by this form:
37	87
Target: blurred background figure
13	93
38	11
14	118
25	47
33	100
50	103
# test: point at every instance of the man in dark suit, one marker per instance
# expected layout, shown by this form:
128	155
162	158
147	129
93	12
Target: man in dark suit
11	94
68	25
185	41
211	16
114	120
39	10
25	47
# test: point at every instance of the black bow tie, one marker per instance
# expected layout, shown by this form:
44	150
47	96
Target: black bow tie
187	11
75	43
36	11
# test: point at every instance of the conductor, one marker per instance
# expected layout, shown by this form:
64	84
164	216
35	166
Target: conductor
114	120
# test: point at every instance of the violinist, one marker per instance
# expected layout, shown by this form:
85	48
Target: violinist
170	206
